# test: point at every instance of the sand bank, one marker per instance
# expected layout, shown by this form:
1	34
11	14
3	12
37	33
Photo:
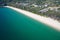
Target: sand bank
49	21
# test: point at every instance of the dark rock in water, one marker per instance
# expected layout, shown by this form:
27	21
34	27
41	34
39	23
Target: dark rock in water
5	4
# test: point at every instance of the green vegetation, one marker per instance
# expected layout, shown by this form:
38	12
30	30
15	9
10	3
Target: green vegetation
36	5
3	2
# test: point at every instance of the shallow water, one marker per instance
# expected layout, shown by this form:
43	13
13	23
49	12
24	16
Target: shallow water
16	26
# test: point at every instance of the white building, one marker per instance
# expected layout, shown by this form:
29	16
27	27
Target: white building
34	5
22	4
44	10
49	8
54	8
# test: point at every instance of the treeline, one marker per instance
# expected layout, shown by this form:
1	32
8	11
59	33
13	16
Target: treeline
52	14
40	1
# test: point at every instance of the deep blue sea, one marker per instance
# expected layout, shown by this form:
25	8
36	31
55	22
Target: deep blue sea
16	26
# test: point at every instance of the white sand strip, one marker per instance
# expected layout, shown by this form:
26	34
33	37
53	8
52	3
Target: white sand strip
49	21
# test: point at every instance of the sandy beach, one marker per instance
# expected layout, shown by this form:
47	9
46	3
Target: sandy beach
49	21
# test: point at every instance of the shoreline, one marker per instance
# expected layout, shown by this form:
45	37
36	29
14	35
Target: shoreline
46	20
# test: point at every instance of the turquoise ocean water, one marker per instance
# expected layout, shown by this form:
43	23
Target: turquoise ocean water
16	26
